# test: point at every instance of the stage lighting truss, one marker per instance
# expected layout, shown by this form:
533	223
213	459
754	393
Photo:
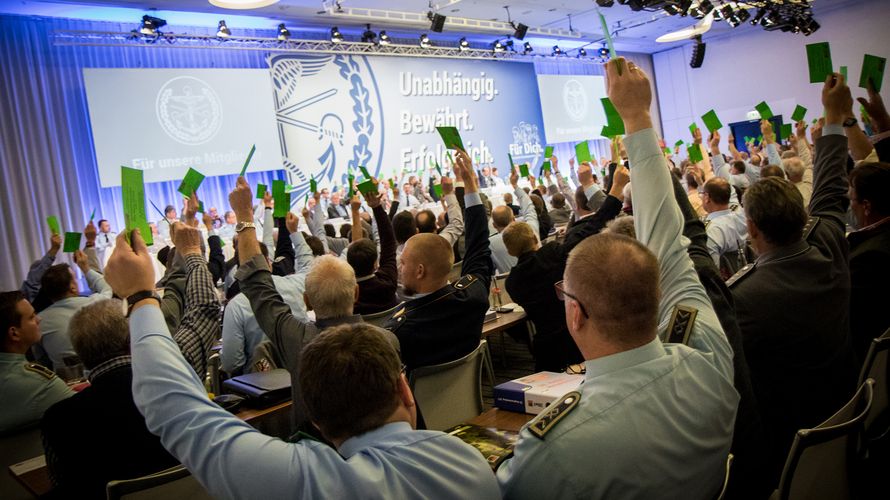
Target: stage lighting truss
68	38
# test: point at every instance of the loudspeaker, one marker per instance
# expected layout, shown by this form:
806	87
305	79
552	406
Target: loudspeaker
520	32
438	22
698	54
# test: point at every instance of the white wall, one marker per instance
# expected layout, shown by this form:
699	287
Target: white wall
752	65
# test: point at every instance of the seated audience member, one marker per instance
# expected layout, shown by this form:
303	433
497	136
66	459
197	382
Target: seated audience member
367	410
501	217
444	320
404	226
530	284
599	441
560	213
60	286
772	171
98	435
31	285
725	224
426	220
315	220
165	224
330	290
869	253
408	196
336	209
377	284
508	200
801	175
227	230
793	303
585	206
544	223
693	195
241	333
27	389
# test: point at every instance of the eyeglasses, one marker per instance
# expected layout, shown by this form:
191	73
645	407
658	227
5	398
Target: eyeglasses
561	294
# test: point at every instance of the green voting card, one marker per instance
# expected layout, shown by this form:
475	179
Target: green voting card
512	165
582	152
133	196
872	69
678	143
437	188
260	191
609	43
819	61
712	123
843	73
451	137
247	161
548	152
53	222
72	242
439	169
615	123
191	182
93	215
785	132
765	112
607	132
365	173
799	114
367	187
313	186
392	184
546	167
282	206
523	170
667	150
351	179
694	152
693	128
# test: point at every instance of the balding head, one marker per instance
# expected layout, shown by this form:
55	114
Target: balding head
331	289
616	279
425	263
716	194
519	238
501	217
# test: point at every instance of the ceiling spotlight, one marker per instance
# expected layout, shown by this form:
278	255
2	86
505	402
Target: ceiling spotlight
368	36
603	52
725	12
150	25
497	46
336	36
425	42
701	10
527	48
223	30
384	39
809	27
678	7
757	17
582	52
556	51
463	44
771	20
605	3
283	33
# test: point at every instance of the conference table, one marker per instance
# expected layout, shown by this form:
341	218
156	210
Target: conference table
503	420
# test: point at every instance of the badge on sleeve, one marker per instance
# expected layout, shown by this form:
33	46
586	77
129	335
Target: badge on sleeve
543	423
680	327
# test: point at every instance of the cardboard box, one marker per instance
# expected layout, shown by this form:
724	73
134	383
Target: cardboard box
533	393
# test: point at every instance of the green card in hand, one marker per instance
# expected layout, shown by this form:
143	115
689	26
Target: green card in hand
548	152
282	205
546	167
72	242
582	152
799	114
712	123
607	132
523	170
872	69
451	137
785	132
608	37
843	73
693	128
615	123
765	112
694	152
437	188
313	186
260	191
133	196
53	222
819	61
191	182
678	143
247	161
367	187
365	173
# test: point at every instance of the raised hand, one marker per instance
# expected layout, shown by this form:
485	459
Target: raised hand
816	131
186	239
55	244
696	136
837	99
241	201
292	222
800	128
514	177
90	233
355	203
585	174
467	173
373	197
447	185
129	269
82	262
875	108
619	180
268	201
630	92
190	209
554	164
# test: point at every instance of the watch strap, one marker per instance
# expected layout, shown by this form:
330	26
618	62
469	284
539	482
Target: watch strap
132	300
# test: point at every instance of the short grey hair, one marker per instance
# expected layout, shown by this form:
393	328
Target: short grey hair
330	286
100	332
622	225
794	169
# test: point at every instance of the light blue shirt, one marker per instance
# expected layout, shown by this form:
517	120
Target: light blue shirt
727	232
54	319
105	240
231	459
502	260
655	421
241	333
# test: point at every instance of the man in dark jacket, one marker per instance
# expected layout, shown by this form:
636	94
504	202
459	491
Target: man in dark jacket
376	284
443	321
530	283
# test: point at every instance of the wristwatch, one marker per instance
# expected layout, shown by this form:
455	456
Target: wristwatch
241	226
849	122
136	297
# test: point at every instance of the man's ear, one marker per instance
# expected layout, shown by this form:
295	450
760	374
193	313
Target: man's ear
406	397
577	317
306	300
420	272
753	231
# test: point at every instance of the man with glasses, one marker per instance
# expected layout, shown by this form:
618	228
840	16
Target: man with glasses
654	416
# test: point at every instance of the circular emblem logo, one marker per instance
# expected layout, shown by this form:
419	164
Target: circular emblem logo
574	100
189	110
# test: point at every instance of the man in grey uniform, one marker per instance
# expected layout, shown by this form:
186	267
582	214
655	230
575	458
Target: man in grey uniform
653	418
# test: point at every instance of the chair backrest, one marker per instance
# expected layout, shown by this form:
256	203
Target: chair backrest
875	367
450	393
454	274
378	319
176	482
820	460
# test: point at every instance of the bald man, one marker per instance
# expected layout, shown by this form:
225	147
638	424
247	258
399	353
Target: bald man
443	321
501	217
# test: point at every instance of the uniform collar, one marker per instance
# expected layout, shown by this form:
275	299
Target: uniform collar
719	213
783	252
355	444
12	357
614	362
340	320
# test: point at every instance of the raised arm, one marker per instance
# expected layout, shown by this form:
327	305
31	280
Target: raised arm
564	188
316	223
302	253
387	270
527	211
830	199
31	285
268	222
802	145
477	258
769	137
355	204
216	263
455	226
595	223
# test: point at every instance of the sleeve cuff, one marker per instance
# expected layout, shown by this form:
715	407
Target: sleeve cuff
641	145
591	191
257	263
833	129
472	199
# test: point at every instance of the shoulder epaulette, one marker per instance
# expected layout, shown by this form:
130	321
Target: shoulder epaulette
811	224
680	327
740	274
547	419
40	370
464	281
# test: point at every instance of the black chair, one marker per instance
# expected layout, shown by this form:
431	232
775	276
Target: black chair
875	367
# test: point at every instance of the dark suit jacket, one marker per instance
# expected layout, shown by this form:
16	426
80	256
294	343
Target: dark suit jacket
378	292
447	324
793	310
97	436
333	213
869	277
530	285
